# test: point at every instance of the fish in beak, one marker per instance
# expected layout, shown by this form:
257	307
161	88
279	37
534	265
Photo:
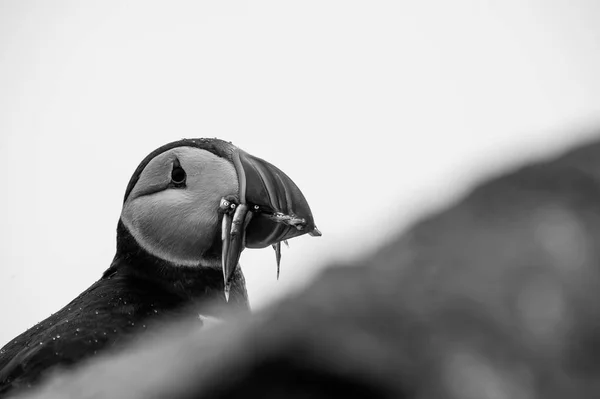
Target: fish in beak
269	209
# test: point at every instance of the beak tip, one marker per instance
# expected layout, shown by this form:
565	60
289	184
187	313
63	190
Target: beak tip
315	232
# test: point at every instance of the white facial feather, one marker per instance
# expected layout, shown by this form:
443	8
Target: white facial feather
179	224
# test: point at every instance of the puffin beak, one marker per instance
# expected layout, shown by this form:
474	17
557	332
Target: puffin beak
270	208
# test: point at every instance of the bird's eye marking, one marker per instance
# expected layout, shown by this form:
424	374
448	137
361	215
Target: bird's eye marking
178	175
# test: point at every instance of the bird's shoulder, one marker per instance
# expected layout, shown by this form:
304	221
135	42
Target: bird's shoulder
101	316
111	311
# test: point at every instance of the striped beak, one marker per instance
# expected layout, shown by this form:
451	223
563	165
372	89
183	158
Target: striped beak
270	209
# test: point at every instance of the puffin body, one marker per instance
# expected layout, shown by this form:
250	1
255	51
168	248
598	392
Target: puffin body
190	209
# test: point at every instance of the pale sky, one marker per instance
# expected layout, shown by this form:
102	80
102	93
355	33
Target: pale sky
380	111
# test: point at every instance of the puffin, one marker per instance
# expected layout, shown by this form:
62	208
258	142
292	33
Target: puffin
191	207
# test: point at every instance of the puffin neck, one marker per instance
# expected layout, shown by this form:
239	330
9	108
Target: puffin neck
132	253
198	282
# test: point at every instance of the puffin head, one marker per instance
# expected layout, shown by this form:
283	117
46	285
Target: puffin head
190	197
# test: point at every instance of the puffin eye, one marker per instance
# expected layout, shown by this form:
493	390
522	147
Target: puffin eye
178	176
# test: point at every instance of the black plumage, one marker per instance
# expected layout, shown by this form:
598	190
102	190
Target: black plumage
135	292
139	287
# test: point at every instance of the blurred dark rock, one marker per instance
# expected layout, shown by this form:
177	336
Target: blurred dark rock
495	297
